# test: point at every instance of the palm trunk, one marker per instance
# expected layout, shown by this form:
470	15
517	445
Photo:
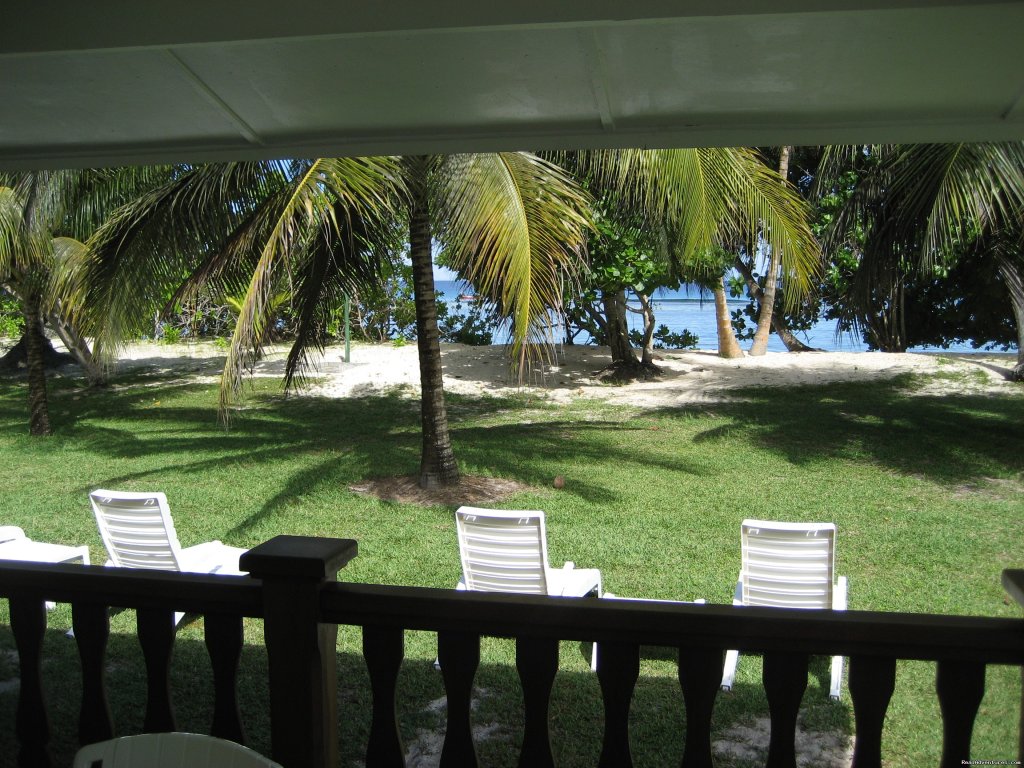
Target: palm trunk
437	459
1013	276
35	342
764	318
647	353
79	349
793	344
727	344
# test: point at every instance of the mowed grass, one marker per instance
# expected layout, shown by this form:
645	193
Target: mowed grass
925	490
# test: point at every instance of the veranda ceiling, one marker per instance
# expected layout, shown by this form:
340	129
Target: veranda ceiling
123	81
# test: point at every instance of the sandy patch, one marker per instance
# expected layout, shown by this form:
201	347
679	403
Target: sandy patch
688	376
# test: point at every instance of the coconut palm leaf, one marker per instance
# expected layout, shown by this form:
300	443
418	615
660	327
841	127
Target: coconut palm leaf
318	204
952	190
712	195
513	225
331	269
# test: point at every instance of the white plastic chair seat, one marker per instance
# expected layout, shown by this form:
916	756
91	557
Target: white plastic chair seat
170	750
15	545
40	552
211	557
574	582
789	565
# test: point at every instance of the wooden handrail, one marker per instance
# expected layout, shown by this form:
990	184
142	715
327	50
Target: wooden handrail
848	633
129	588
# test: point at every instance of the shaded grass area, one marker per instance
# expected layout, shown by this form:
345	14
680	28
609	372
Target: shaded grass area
925	490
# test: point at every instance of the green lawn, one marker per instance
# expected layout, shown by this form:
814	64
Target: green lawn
925	490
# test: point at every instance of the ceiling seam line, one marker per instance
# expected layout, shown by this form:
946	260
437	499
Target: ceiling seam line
246	130
1016	107
598	77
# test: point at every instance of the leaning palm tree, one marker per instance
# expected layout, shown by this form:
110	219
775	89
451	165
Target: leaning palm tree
510	222
705	197
44	216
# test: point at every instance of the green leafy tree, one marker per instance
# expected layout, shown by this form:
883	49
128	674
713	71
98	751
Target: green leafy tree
914	209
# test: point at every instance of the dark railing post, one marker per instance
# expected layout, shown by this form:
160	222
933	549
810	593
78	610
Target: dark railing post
301	651
1013	580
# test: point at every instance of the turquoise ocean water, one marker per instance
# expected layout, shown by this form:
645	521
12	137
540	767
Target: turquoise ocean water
680	310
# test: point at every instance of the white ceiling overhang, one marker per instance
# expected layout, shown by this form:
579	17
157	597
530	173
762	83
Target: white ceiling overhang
116	82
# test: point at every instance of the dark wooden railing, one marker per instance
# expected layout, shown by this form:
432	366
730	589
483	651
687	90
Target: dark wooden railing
292	588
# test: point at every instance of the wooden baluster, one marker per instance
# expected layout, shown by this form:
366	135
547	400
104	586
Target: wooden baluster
32	726
224	639
872	681
383	650
960	685
156	636
537	663
91	622
459	655
785	679
618	667
700	675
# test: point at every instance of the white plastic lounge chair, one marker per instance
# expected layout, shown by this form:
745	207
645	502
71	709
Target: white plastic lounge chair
789	565
170	750
138	532
507	551
15	545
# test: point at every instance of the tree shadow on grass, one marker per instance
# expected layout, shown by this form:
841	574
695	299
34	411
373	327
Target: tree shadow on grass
950	439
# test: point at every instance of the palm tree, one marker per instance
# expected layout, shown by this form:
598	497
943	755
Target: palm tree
43	218
923	202
511	223
705	197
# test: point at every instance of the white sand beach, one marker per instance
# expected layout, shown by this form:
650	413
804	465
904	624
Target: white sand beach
689	376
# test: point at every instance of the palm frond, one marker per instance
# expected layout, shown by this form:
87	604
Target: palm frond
515	225
948	190
307	208
711	195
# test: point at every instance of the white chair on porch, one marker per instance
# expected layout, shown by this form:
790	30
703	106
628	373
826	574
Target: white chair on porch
170	750
789	565
138	532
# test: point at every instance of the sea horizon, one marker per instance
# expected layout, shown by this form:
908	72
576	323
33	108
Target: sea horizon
681	310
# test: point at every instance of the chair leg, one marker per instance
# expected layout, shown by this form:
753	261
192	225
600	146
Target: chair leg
729	671
837	677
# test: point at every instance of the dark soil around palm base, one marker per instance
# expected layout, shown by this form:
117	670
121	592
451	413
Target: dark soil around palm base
469	490
624	372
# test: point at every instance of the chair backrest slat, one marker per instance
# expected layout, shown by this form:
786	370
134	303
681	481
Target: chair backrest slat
788	564
137	529
503	551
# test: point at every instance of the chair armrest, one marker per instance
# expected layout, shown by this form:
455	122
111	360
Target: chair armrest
737	597
11	532
839	594
569	565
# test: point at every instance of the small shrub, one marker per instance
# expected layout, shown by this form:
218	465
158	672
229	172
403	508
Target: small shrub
12	322
170	335
666	339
